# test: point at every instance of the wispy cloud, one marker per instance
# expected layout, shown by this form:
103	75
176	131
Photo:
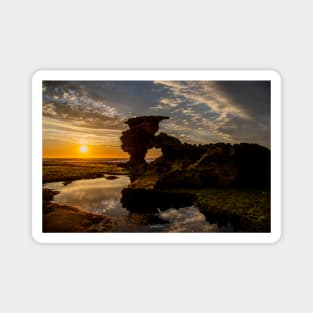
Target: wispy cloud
75	105
72	116
211	113
206	93
200	111
65	131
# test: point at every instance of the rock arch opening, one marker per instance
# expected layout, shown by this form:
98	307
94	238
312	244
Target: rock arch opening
153	154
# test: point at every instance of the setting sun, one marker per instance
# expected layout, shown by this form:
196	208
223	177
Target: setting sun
83	149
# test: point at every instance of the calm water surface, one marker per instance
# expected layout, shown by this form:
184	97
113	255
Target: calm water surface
97	196
102	196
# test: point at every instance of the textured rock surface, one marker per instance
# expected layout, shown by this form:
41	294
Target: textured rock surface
221	165
187	165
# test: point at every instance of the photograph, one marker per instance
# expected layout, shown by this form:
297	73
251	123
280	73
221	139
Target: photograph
156	156
156	150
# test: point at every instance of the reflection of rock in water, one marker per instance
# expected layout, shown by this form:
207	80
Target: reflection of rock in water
187	219
145	201
137	222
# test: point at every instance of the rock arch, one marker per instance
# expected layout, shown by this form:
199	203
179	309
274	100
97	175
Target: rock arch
140	137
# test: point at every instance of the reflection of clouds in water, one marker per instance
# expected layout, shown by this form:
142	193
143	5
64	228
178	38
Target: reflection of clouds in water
188	219
98	196
102	196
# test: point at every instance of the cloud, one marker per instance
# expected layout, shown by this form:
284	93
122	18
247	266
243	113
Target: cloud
72	103
171	102
219	111
49	109
199	111
65	131
207	93
72	116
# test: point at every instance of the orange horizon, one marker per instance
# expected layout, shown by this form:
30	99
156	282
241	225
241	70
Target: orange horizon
92	153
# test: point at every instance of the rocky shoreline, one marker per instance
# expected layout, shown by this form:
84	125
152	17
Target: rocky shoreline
61	218
247	210
229	183
62	171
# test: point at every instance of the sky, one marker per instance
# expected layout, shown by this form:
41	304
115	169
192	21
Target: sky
86	118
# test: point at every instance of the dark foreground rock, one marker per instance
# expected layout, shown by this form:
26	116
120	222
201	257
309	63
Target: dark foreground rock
220	165
246	209
149	201
232	209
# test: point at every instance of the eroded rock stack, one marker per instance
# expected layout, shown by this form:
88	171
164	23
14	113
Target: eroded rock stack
187	165
140	137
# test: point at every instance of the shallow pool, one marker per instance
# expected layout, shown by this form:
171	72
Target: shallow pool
102	196
97	196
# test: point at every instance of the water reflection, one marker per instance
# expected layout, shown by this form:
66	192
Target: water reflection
188	219
97	196
136	211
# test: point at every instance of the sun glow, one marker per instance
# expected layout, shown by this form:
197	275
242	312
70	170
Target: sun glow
83	149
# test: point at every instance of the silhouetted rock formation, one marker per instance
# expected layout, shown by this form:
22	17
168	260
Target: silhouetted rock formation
140	137
187	165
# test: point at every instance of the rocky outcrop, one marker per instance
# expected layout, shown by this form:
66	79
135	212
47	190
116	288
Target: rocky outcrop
220	165
140	137
187	165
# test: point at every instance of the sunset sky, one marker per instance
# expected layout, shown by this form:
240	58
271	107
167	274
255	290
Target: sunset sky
86	118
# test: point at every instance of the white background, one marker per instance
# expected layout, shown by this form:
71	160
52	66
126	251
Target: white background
155	34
